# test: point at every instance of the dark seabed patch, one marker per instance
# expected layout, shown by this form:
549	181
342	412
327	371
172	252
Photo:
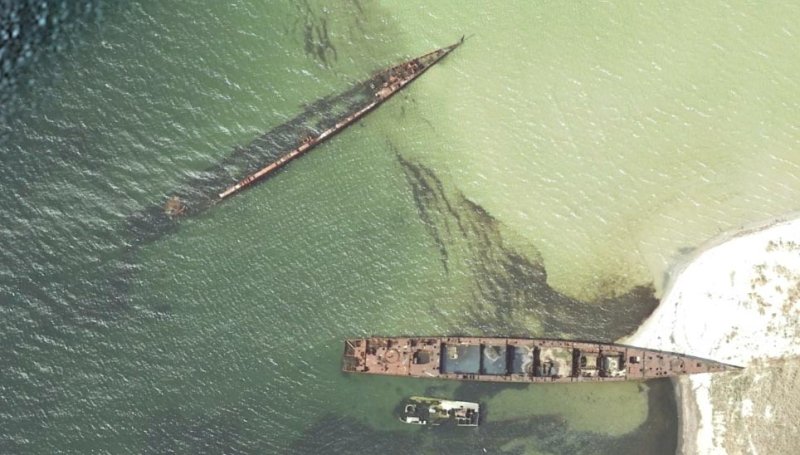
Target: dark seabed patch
226	337
32	29
509	287
509	296
546	434
200	192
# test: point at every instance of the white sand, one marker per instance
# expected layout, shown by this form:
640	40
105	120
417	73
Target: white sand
737	301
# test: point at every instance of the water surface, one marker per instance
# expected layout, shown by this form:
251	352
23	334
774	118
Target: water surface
534	183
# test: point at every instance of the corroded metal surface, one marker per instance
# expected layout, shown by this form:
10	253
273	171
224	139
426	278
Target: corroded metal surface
516	360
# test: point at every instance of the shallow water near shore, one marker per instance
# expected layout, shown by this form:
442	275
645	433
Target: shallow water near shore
455	208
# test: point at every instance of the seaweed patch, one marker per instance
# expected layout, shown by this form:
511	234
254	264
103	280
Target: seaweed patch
509	287
548	433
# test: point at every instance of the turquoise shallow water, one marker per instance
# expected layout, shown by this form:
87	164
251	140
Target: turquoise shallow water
223	334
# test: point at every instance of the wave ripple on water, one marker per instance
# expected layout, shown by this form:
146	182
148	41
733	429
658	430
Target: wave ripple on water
226	336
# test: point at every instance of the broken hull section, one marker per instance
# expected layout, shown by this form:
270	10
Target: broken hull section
438	411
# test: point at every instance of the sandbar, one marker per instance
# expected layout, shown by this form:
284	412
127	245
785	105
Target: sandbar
736	300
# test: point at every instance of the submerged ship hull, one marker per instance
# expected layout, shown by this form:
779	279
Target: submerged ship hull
516	360
388	82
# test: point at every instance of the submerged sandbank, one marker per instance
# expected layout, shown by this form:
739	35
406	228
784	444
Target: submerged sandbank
737	300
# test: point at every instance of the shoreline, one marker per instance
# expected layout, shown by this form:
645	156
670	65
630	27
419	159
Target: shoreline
684	399
735	299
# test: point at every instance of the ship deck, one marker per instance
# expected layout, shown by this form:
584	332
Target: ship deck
516	360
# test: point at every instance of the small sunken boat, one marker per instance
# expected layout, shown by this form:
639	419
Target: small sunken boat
390	81
437	411
530	360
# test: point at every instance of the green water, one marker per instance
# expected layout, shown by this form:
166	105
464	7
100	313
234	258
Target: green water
537	182
652	127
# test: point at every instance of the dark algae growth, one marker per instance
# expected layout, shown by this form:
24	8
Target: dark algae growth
506	284
549	434
121	338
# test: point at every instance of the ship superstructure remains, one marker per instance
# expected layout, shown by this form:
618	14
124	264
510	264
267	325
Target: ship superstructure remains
438	411
516	360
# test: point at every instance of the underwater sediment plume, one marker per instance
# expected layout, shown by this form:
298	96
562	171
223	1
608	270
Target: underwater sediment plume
318	122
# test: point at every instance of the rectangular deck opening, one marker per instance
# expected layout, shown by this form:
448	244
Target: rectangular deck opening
521	359
493	360
460	358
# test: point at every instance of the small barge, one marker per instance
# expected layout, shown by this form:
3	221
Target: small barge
436	411
390	81
530	360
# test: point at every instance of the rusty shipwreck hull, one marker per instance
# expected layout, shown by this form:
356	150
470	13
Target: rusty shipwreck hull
528	360
332	114
392	80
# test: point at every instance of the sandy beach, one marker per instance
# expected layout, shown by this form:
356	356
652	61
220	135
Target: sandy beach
736	300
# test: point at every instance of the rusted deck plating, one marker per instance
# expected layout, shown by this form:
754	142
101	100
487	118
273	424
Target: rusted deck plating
516	360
